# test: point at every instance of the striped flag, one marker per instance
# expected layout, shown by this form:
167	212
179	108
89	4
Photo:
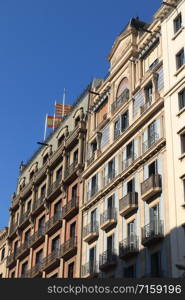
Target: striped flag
53	122
62	109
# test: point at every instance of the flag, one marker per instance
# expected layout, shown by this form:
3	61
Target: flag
53	122
62	109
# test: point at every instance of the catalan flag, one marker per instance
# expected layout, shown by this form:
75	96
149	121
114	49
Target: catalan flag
62	109
53	122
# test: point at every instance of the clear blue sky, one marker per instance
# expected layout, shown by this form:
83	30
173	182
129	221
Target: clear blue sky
46	45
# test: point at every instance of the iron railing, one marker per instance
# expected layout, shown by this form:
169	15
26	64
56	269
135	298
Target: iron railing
131	199
35	270
127	162
109	214
107	258
120	100
90	268
23	247
70	169
70	205
129	245
37	235
13	227
154	181
51	258
150	142
38	202
109	177
69	245
52	188
91	228
53	220
152	230
24	217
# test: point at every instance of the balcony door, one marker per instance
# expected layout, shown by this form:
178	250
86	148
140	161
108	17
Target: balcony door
74	192
41	224
156	265
57	208
130	150
93	220
131	186
93	184
131	233
110	206
92	258
154	220
151	133
152	169
55	244
73	230
110	245
75	157
38	258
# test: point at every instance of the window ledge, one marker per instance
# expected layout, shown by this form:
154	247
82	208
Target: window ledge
181	111
182	156
177	33
179	70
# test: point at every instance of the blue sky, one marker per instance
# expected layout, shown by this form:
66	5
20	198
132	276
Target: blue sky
46	45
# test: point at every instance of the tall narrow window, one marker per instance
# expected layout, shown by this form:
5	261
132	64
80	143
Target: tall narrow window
177	23
74	192
129	272
182	137
38	258
156	265
73	230
71	270
75	157
41	224
180	58
124	121
148	93
2	254
181	97
55	244
24	269
183	182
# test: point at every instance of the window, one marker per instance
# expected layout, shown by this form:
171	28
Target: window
93	146
93	185
60	140
131	231
73	230
55	243
77	121
45	158
92	257
57	207
75	192
129	272
71	270
124	121
152	168
117	130
93	219
12	274
43	191
24	268
180	58
156	265
2	254
177	23
75	157
183	182
154	219
59	173
182	137
110	244
38	258
181	97
130	150
29	206
15	247
111	168
131	186
41	224
31	175
27	235
148	93
1	275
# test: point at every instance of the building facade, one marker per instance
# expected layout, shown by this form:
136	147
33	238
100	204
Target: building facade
3	252
105	196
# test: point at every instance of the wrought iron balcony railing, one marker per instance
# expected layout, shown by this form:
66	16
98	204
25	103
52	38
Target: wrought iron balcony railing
54	220
70	208
24	217
25	246
127	162
52	258
152	232
37	235
109	177
151	185
128	203
129	246
13	227
11	259
107	259
91	231
122	99
108	218
70	169
54	186
90	269
69	248
36	270
37	203
150	142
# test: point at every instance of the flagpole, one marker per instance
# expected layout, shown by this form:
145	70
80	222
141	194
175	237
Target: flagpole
64	96
45	127
54	117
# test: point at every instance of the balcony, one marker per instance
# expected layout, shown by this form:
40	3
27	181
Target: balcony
70	209
92	193
37	204
15	200
108	219
122	99
129	161
152	232
91	232
102	123
129	247
11	260
37	237
13	228
52	260
150	142
128	204
109	178
24	218
69	248
54	188
54	223
107	260
72	138
23	249
144	107
70	172
151	186
35	271
90	270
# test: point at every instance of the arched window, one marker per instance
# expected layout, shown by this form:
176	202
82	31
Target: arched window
123	87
